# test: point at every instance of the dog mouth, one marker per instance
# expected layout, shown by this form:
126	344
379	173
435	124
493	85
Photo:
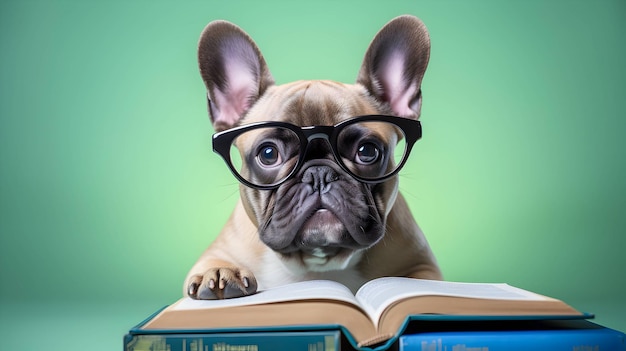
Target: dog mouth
318	256
320	219
320	259
322	239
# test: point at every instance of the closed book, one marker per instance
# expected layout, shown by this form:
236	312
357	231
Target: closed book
513	336
270	341
373	318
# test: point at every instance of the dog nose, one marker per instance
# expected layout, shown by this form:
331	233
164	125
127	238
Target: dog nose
320	178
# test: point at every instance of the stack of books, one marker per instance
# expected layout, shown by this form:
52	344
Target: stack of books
385	314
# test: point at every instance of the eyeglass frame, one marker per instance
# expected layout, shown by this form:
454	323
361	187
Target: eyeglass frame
222	142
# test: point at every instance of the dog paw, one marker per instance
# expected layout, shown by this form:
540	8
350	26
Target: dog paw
221	283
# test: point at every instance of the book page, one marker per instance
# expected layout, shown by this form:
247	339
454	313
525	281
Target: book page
307	290
374	296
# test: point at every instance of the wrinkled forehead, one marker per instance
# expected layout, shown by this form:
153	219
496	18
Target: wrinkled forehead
309	103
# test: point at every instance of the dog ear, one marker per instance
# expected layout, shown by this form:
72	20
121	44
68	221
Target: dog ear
395	63
234	72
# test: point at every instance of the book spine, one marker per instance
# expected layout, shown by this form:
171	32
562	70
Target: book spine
270	341
538	340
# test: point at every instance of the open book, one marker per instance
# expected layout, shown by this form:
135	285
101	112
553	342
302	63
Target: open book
375	314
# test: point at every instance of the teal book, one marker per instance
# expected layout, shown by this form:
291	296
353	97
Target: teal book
270	341
373	318
538	336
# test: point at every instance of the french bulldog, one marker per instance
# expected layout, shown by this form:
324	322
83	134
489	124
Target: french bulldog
317	162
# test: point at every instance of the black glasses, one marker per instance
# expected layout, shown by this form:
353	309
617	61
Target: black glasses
371	148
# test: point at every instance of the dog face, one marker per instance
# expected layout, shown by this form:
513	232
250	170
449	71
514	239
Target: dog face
321	216
317	181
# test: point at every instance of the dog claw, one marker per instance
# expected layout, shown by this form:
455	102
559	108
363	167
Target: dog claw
193	289
194	285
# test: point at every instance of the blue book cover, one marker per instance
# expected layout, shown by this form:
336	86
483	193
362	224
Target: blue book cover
548	336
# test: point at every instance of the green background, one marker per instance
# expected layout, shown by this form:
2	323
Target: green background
109	191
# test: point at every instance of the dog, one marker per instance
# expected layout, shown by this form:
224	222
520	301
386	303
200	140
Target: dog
317	162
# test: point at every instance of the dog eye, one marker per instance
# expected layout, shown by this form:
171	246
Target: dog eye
367	153
268	155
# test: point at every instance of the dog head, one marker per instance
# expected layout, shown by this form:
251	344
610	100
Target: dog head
317	182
